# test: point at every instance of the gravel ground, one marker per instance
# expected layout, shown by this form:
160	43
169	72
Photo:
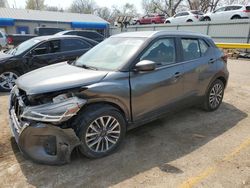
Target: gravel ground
191	148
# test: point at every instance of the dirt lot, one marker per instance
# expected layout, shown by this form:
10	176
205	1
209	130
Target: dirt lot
189	149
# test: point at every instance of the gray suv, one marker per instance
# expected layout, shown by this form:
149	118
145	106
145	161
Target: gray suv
126	81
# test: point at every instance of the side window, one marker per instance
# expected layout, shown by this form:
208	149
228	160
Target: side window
177	15
73	44
185	13
41	49
220	9
203	47
54	46
190	49
1	36
162	52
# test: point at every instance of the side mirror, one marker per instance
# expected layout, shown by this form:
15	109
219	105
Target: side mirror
145	65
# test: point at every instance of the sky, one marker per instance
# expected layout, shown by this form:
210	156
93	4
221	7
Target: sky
66	3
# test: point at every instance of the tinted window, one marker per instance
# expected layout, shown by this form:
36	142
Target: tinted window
1	35
220	9
41	49
247	7
91	35
203	47
184	14
177	15
197	12
54	46
190	49
233	8
162	52
73	44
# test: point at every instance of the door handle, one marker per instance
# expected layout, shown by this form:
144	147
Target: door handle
177	75
211	61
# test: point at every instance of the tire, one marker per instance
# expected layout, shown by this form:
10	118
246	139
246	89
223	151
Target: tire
167	22
7	80
189	20
96	142
207	19
236	17
214	96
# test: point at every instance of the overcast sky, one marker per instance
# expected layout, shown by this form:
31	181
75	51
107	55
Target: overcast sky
66	3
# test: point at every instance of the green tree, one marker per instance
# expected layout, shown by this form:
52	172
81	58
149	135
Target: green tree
35	4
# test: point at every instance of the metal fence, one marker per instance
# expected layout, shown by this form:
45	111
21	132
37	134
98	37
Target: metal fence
235	31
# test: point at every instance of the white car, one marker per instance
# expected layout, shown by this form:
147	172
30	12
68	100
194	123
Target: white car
185	16
230	12
3	40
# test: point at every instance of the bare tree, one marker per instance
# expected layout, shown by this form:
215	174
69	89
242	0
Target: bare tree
54	9
35	4
3	3
103	12
83	6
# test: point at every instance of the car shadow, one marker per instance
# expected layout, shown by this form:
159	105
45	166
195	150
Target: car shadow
153	145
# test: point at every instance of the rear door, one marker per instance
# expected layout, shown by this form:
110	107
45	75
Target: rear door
198	66
153	92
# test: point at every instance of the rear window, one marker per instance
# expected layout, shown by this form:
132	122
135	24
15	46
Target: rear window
73	44
197	12
247	7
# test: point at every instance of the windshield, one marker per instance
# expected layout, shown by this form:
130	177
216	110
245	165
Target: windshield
23	46
110	54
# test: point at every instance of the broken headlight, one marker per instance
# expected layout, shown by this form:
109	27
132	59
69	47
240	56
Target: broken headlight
61	109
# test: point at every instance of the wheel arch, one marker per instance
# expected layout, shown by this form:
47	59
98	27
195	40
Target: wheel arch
236	15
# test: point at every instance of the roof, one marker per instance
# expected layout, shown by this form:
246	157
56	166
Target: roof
149	34
37	15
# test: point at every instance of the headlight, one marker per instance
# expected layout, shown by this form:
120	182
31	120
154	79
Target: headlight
61	109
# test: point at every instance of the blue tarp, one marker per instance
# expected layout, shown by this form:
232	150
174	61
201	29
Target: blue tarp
89	25
6	22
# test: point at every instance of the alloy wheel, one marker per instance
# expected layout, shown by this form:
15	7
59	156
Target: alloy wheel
7	80
103	134
216	95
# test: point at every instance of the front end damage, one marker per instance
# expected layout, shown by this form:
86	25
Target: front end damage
37	129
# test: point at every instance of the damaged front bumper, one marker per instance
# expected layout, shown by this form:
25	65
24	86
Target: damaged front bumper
40	140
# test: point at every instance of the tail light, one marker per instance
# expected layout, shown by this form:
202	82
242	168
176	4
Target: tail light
246	10
9	40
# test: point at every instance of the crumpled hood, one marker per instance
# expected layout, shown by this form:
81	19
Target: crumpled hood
57	77
4	56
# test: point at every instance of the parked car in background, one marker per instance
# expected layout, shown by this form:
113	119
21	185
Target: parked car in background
185	16
16	39
230	12
125	81
3	40
38	52
84	33
151	19
43	31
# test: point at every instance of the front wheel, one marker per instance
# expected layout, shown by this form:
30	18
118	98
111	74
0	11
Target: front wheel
101	130
214	96
8	80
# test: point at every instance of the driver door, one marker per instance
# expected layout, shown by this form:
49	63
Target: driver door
152	92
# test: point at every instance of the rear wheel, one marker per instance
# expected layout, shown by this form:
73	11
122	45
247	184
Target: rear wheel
214	96
8	80
189	20
167	22
236	17
101	129
207	19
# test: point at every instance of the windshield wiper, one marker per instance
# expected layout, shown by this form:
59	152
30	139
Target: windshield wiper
87	67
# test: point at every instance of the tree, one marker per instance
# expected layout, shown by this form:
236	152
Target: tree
167	7
35	4
129	10
83	6
149	7
103	12
54	8
3	3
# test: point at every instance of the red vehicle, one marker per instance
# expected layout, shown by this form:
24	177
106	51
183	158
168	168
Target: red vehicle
151	19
